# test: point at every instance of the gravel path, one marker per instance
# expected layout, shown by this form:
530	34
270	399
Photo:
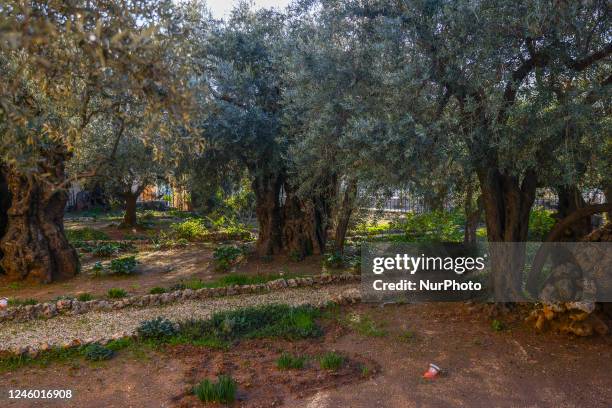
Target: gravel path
95	326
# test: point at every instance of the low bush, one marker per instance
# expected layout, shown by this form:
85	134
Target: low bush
333	260
225	256
163	241
286	361
222	391
192	229
96	352
123	266
115	293
331	361
156	329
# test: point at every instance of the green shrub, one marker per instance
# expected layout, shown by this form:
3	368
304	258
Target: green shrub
372	228
225	255
192	229
156	329
84	297
123	266
96	352
157	290
223	391
163	241
286	361
435	226
333	260
331	361
541	222
115	293
86	234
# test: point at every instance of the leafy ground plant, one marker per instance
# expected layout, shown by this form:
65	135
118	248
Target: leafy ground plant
331	361
286	361
225	256
86	234
192	229
123	266
223	391
97	352
156	329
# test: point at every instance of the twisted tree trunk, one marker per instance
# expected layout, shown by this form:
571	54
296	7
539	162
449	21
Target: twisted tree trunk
34	245
267	189
507	203
288	223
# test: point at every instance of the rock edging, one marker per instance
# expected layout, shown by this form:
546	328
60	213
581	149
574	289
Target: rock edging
49	310
33	351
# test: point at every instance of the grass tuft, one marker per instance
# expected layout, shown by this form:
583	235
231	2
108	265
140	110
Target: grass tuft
331	361
286	361
115	293
223	391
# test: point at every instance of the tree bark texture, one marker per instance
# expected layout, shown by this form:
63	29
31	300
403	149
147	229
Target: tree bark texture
344	214
129	218
288	223
34	245
570	200
507	203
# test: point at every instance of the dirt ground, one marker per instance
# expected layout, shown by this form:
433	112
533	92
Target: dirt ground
515	367
164	267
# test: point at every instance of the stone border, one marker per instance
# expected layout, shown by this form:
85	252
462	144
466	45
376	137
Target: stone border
34	351
74	307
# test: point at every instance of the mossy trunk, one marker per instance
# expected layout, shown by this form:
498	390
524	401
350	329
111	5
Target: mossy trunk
34	245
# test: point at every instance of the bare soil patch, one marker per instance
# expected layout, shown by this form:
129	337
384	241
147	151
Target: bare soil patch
515	367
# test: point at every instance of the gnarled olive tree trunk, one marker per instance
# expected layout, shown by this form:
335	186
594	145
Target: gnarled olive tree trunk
267	189
34	245
507	203
288	223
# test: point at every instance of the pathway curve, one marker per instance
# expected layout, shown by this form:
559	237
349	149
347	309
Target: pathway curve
96	326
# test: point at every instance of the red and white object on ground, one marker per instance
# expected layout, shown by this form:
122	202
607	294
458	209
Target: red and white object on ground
432	372
3	303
